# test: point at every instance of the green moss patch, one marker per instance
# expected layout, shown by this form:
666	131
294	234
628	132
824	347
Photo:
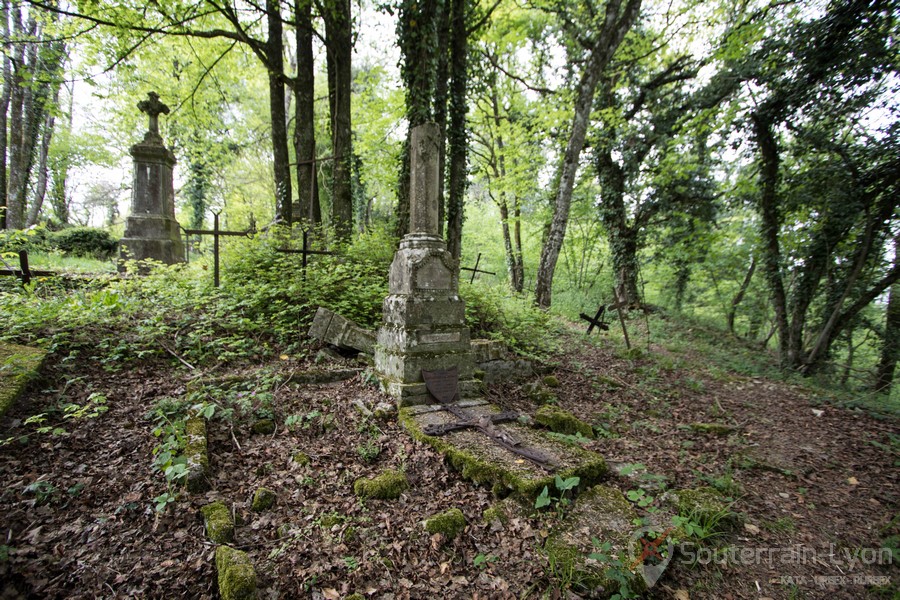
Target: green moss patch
264	427
263	499
562	421
481	460
387	486
236	577
600	513
218	522
18	366
300	458
712	428
704	505
195	452
449	523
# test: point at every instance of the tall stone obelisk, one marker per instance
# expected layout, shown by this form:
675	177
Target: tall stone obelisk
424	317
151	230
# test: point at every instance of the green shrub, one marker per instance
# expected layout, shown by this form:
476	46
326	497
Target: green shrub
85	241
33	239
495	313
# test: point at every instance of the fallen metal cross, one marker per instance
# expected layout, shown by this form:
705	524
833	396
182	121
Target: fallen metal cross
475	270
443	386
597	321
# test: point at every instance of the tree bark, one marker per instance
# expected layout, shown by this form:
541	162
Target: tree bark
304	122
770	225
613	30
5	91
890	348
339	49
456	133
280	157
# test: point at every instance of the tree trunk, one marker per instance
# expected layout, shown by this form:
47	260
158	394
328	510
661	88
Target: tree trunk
441	85
280	156
304	123
5	92
770	224
518	262
890	348
18	167
739	297
339	49
613	30
40	188
456	133
623	242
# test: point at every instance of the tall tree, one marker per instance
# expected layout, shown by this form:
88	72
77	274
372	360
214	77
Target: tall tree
599	38
304	117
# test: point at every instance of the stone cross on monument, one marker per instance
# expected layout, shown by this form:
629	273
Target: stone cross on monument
423	317
151	231
152	107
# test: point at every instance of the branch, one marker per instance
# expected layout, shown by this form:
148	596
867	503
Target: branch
496	64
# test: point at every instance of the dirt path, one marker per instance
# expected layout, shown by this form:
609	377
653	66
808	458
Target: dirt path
77	515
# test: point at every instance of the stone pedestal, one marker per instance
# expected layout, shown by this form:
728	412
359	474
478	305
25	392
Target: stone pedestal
151	231
424	317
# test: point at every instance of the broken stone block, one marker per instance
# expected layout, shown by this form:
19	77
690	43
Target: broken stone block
487	350
334	329
195	453
218	523
263	499
236	577
449	523
387	486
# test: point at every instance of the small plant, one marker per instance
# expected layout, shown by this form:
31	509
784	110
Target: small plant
351	562
43	490
482	561
368	451
163	500
571	440
614	569
561	502
640	497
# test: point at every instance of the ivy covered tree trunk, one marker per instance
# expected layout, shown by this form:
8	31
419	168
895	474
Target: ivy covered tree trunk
339	49
890	345
304	118
5	91
623	239
278	113
617	21
456	132
770	224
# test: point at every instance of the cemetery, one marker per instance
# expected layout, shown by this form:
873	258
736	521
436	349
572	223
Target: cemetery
547	301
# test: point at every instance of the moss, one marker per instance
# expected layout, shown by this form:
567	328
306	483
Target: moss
449	523
712	428
562	421
263	499
301	458
264	427
496	512
195	452
237	579
539	394
387	486
218	523
705	505
550	381
18	366
331	519
590	468
355	596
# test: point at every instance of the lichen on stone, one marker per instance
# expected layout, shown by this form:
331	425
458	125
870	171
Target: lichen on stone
218	523
196	457
236	577
263	499
386	486
562	421
450	523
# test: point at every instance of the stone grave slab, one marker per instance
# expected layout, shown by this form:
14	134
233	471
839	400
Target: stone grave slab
332	328
18	365
483	461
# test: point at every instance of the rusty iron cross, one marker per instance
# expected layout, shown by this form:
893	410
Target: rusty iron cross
153	108
443	386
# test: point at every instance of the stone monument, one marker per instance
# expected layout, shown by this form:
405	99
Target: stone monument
424	317
151	231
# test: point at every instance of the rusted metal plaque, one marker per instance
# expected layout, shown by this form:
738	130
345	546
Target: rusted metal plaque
442	384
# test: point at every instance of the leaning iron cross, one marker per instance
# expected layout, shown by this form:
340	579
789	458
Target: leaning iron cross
443	386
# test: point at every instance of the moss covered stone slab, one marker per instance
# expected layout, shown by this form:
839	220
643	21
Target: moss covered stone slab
603	514
263	499
236	577
218	522
478	458
386	486
18	366
562	421
195	453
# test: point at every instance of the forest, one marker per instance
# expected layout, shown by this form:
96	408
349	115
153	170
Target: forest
721	178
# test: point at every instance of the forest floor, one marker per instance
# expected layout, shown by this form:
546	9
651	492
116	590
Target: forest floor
816	486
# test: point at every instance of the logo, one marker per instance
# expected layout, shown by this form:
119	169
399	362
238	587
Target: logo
656	551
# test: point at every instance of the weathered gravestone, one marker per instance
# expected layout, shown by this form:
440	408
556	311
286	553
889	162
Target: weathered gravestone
424	318
151	231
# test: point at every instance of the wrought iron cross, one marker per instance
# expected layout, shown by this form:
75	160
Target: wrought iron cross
153	108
